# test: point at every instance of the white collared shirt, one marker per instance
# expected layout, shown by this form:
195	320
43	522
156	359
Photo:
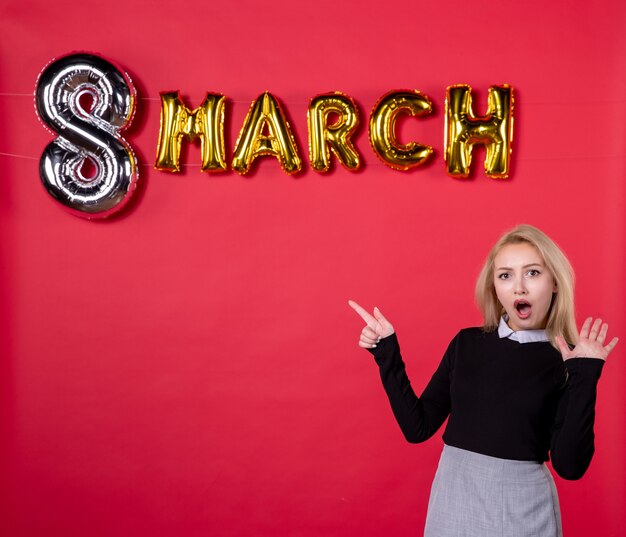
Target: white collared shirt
522	336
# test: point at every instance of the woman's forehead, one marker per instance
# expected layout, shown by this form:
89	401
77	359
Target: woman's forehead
518	254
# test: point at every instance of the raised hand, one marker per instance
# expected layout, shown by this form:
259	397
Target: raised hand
376	326
590	341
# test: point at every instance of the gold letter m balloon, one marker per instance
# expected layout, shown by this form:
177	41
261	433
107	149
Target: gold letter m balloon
205	122
494	130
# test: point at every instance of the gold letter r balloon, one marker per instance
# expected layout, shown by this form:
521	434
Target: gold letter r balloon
335	137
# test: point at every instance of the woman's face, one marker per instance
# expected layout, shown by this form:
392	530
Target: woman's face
524	286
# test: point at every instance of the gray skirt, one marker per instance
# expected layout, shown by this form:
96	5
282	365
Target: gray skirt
474	495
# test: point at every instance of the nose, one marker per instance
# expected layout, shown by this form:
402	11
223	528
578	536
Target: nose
520	287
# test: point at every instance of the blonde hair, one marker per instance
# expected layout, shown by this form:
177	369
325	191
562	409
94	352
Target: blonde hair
561	320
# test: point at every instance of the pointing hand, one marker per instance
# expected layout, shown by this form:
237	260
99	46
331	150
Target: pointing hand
376	326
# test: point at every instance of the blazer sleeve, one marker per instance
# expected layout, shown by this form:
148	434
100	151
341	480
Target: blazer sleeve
419	418
572	436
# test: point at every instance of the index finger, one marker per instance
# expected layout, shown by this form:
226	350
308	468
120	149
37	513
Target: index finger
369	319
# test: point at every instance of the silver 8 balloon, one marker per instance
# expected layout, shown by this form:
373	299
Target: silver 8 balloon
87	101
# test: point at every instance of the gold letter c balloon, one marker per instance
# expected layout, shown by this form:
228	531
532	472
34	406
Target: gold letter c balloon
382	129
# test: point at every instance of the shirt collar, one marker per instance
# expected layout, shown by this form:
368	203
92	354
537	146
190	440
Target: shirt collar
521	336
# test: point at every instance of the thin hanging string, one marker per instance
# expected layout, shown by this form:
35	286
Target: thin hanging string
14	155
295	103
158	99
142	164
375	162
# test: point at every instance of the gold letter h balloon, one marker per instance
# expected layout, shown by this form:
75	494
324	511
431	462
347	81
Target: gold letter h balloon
494	130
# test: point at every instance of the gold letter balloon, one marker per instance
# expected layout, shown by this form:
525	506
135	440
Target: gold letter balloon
335	137
205	122
266	131
494	130
383	129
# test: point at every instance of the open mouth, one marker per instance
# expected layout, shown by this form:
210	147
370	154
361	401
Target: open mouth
523	308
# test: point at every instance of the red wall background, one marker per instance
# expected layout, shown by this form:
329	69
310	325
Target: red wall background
189	366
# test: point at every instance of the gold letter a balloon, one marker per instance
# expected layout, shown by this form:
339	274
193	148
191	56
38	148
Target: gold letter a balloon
266	131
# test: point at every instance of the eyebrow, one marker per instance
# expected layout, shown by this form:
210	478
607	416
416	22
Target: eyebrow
525	266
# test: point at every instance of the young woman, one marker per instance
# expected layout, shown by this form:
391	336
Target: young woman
517	391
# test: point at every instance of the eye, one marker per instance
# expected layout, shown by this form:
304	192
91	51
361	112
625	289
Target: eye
533	272
504	276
